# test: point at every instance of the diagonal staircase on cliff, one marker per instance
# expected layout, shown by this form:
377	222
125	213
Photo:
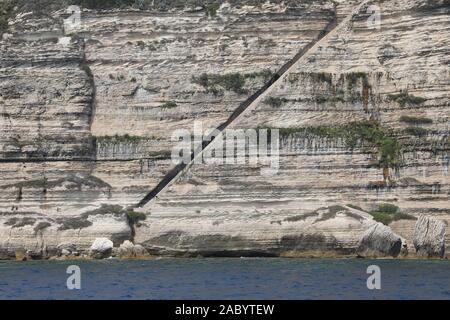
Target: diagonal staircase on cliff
250	104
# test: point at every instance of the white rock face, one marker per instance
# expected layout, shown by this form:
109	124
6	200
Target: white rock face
429	237
327	230
101	248
357	74
128	250
66	249
72	108
380	241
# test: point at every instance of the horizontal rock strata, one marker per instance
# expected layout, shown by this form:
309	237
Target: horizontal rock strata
87	118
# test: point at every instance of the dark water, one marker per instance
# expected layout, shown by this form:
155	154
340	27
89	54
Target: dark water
217	278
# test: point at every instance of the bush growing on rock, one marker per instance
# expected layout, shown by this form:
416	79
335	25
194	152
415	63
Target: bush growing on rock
211	9
404	98
275	102
104	4
73	223
134	217
169	105
416	131
415	120
352	134
387	213
42	226
388	208
120	139
230	82
20	222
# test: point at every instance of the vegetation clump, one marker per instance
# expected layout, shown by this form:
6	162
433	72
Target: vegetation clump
376	185
82	221
353	78
119	139
415	120
409	181
70	182
73	223
20	222
32	184
41	226
134	217
416	131
275	102
115	210
322	77
230	82
169	105
387	213
354	207
404	98
388	147
217	83
104	4
211	9
266	74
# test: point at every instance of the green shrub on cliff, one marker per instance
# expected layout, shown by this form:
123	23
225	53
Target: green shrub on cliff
73	223
322	77
415	120
212	8
416	131
388	147
83	221
387	213
353	78
275	102
169	105
41	226
230	82
382	217
134	217
20	222
388	208
119	139
404	98
354	207
103	4
389	150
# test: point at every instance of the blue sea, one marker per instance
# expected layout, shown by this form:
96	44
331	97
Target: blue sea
226	278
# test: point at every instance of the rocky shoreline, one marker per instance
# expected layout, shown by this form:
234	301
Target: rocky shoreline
377	242
88	111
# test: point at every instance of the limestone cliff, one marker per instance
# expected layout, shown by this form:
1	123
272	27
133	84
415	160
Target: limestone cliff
87	117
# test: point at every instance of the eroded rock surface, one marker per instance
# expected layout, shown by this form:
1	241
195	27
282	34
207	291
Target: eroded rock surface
101	248
380	241
87	117
128	250
329	230
429	237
